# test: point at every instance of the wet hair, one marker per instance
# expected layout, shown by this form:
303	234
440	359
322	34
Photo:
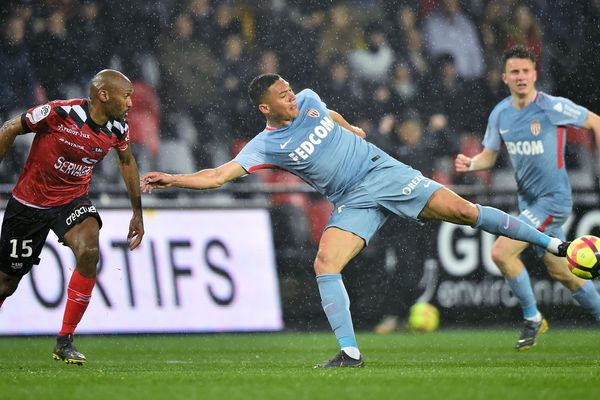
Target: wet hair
259	86
518	51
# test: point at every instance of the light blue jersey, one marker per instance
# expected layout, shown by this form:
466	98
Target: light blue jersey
365	184
535	140
327	156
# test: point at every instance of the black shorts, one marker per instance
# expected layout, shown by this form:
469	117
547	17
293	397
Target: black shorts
24	231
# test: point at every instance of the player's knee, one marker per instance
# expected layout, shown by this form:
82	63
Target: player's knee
8	287
87	258
498	255
89	253
324	264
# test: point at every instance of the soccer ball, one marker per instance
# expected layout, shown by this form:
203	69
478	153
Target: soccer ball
582	257
423	317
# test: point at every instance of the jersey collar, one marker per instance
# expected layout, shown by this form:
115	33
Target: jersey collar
93	125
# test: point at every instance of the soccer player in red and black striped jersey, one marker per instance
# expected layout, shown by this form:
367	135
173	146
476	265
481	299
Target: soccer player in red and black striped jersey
71	137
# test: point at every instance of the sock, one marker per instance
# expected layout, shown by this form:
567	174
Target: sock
553	245
78	297
589	299
521	287
498	222
336	305
352	352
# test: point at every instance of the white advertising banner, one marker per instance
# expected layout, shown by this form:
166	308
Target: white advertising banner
195	271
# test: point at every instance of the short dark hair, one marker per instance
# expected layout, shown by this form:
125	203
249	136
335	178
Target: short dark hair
259	86
518	51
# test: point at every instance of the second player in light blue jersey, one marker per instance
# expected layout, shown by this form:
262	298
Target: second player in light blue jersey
532	126
366	185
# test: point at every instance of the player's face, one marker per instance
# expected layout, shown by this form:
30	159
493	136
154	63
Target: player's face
281	102
520	76
119	102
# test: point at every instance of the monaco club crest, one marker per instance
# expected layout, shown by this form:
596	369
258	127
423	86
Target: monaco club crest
536	127
313	113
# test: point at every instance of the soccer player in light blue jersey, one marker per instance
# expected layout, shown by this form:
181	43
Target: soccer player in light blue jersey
532	125
366	185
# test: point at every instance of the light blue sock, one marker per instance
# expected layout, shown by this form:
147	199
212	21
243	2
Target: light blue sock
589	299
521	287
498	222
336	305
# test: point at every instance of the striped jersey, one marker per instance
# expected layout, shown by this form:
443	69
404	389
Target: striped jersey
66	147
535	139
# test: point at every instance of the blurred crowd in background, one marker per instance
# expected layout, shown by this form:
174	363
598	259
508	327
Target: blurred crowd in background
419	76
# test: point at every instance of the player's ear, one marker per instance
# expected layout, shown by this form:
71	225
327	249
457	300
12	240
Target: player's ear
264	108
103	95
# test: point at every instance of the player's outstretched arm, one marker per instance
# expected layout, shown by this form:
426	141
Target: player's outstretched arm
341	121
8	132
592	122
484	160
131	177
210	178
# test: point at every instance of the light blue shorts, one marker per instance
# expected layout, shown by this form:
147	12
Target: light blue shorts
546	216
391	188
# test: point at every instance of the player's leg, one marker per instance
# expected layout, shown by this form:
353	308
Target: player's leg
8	285
505	254
584	292
24	232
78	226
336	248
446	205
83	239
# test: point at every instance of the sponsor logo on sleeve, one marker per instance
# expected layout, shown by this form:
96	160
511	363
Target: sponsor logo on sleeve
567	110
39	113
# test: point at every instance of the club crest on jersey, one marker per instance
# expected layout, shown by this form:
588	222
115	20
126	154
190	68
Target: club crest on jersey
313	113
535	127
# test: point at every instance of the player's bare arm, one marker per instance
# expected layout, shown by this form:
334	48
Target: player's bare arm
341	121
484	160
210	178
592	122
131	177
8	132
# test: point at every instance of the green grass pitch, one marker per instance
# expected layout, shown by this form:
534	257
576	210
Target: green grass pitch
449	364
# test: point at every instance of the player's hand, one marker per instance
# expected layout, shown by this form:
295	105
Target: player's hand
358	131
136	231
155	180
462	163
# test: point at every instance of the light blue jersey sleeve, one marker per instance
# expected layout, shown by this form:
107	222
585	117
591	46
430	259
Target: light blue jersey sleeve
562	111
253	156
492	139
